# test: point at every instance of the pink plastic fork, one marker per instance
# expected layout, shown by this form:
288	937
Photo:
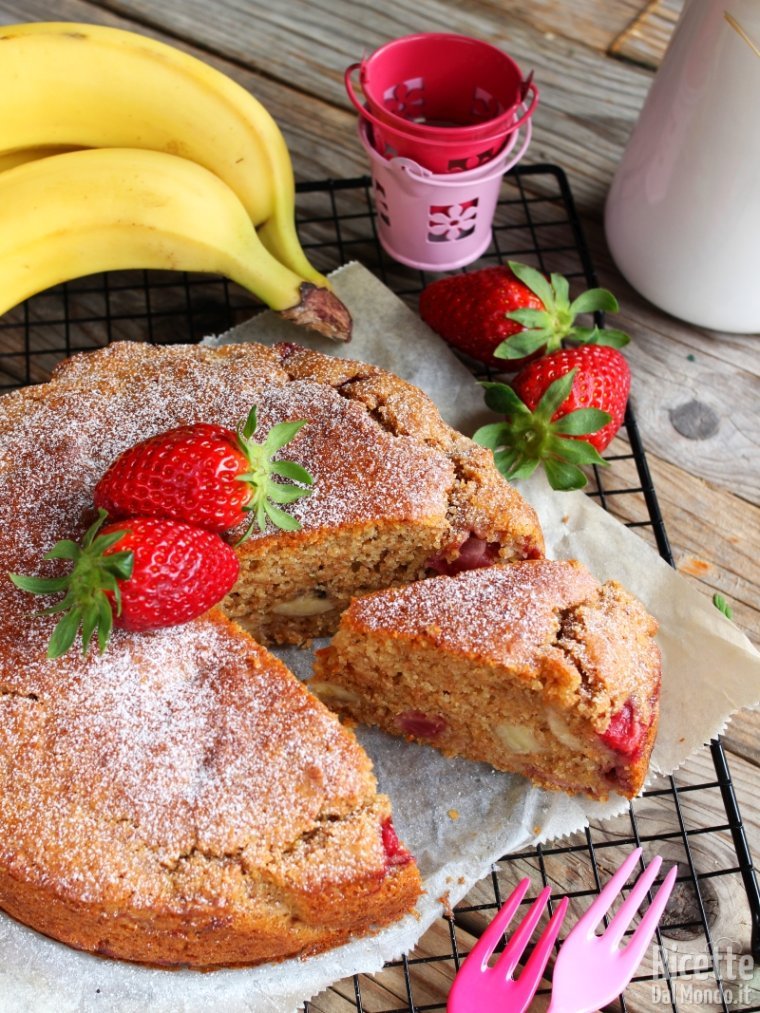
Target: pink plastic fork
478	987
590	970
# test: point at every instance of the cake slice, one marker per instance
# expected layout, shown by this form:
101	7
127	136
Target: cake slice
533	667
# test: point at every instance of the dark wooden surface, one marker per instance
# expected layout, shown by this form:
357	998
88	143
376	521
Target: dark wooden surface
695	391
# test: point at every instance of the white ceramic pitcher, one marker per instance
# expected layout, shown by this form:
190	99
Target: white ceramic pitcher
682	217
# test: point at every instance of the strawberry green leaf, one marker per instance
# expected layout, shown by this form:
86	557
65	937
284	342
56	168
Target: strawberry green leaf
575	451
281	434
89	625
105	621
65	549
561	288
120	564
526	438
522	344
600	336
103	542
522	469
563	475
556	321
281	519
289	469
64	633
534	280
555	395
593	301
612	337
722	605
39	585
506	460
501	398
582	421
530	318
279	493
250	424
492	435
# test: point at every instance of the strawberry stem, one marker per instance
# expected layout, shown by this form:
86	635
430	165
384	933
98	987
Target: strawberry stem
91	588
263	474
546	329
528	438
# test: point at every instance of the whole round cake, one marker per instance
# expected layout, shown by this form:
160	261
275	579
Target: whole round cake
182	799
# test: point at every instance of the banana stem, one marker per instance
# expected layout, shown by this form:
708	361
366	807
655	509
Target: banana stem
321	310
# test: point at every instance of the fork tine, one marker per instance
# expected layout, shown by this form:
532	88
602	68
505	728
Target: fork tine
624	917
488	942
603	902
531	974
519	940
633	953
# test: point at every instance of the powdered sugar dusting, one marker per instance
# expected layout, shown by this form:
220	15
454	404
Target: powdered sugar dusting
183	742
501	613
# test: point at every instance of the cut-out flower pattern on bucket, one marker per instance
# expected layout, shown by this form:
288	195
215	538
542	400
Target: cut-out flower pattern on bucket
452	222
406	98
381	202
472	161
485	106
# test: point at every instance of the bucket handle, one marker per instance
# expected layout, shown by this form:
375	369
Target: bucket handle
408	169
528	86
350	88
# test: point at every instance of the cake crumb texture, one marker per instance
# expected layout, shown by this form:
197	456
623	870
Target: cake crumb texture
534	667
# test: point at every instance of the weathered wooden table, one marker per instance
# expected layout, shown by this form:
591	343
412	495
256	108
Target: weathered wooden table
695	394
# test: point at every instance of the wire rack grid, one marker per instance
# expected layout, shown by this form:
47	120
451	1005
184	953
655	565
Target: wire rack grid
697	960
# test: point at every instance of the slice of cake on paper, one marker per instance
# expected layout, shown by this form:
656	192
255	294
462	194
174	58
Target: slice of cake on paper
534	667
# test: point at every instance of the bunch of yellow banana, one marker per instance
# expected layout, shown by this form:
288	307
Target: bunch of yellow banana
117	151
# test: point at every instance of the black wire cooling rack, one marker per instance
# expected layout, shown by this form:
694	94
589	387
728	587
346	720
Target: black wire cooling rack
701	958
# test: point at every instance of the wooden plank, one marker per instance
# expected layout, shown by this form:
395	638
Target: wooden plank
714	557
646	38
588	103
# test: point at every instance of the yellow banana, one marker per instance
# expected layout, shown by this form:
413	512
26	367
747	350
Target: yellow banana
105	209
19	156
84	85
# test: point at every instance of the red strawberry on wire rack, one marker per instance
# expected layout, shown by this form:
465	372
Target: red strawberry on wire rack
561	410
140	574
207	475
505	315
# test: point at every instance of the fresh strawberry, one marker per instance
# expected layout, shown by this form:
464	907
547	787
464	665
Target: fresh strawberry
206	475
139	574
562	410
506	315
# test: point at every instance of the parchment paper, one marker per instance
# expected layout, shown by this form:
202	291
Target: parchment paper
707	661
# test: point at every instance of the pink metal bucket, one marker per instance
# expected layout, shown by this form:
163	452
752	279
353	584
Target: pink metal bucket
437	222
445	101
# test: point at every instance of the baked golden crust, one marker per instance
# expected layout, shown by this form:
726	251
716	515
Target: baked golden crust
182	799
533	667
